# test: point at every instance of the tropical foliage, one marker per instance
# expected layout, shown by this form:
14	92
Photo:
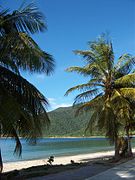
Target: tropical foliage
22	106
109	92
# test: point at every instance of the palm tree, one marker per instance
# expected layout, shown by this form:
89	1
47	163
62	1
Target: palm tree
22	106
110	91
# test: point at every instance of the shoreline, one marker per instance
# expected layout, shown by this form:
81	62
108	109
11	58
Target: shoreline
76	137
89	165
53	137
9	166
59	137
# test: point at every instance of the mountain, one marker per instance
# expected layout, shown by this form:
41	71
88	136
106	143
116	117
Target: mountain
65	123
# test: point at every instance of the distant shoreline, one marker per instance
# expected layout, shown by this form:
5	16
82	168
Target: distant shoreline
62	137
53	137
76	137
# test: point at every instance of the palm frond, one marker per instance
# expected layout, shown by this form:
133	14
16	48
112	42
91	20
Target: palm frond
9	130
124	65
24	92
86	96
92	122
14	115
88	55
22	111
119	101
24	53
93	58
18	147
28	19
103	50
81	70
107	121
9	64
91	70
125	81
83	87
128	93
90	105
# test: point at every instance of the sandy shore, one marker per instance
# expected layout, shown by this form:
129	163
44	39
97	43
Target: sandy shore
57	160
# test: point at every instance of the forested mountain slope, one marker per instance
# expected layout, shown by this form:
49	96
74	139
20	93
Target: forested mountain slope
65	123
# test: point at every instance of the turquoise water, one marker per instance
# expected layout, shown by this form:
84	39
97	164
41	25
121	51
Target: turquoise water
53	146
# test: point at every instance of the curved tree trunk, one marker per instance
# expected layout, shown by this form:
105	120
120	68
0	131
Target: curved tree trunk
125	149
129	150
117	149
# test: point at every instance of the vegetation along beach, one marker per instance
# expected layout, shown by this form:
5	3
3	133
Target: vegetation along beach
67	89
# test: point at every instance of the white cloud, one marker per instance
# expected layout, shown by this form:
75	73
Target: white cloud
40	76
63	105
51	99
54	105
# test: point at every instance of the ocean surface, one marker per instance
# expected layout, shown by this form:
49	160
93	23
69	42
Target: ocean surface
47	147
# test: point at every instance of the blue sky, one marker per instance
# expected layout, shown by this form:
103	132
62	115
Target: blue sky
71	24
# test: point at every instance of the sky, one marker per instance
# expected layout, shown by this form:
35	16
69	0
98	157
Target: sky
71	24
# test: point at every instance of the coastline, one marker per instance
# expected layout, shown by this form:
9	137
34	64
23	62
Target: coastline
9	166
17	165
59	137
75	137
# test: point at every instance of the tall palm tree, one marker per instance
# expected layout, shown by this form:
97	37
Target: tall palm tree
110	91
22	106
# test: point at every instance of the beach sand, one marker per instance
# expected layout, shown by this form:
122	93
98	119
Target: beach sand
33	169
9	166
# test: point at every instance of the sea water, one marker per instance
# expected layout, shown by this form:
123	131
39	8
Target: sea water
47	147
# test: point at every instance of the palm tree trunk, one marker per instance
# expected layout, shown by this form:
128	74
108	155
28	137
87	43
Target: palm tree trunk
129	150
1	163
117	154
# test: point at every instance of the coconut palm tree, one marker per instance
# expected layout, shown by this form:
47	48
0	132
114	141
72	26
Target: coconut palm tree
109	92
22	106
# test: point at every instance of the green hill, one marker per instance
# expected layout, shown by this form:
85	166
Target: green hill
65	123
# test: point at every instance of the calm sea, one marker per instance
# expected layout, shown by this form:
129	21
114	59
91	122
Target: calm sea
46	147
